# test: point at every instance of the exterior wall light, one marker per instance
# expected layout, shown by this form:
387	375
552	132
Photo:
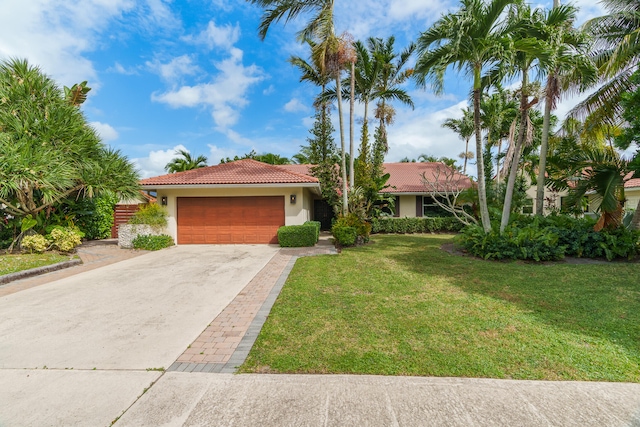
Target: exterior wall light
163	200
292	199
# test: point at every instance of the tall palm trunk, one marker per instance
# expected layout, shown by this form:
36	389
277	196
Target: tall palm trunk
482	189
466	157
544	147
513	171
345	200
498	159
351	108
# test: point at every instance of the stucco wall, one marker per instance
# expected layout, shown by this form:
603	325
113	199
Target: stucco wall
633	196
407	206
295	214
552	199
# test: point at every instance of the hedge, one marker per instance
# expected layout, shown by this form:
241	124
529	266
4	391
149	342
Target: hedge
415	225
295	236
344	235
317	224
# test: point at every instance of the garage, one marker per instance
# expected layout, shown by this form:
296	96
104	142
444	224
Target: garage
229	220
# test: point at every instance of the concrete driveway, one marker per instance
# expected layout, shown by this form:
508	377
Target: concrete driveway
82	349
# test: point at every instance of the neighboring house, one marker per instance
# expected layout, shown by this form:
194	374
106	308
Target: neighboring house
553	200
245	201
632	193
412	194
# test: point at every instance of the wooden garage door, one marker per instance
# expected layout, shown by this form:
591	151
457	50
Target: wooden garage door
215	220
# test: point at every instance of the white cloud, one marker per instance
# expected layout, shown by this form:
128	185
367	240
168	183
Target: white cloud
421	132
295	106
105	131
226	94
120	69
216	153
268	91
154	163
224	36
174	69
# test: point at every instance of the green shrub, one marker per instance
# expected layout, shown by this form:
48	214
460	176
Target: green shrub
150	214
582	241
344	235
317	224
35	243
295	236
363	228
527	243
94	217
152	242
416	225
551	238
65	239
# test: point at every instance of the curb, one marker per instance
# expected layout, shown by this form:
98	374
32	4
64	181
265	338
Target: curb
38	271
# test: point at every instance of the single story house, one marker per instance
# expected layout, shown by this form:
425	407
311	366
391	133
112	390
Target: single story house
246	201
411	193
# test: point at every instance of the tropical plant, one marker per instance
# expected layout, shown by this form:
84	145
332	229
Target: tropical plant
49	151
602	172
528	52
472	39
568	67
329	53
150	214
630	136
185	162
498	112
464	128
617	54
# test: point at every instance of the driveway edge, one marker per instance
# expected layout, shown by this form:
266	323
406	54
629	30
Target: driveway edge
7	278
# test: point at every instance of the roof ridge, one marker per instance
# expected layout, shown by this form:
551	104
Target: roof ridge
278	167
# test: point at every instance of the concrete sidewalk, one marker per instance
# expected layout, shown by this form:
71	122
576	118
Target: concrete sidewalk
197	399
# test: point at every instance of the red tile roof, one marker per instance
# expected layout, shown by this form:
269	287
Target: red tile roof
303	169
635	182
408	177
246	171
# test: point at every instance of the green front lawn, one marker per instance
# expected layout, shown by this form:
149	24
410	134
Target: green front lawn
15	263
403	306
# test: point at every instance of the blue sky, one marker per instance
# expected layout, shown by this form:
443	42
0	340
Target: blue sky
193	74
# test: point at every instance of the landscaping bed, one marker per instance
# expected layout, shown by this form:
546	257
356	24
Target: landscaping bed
14	263
403	306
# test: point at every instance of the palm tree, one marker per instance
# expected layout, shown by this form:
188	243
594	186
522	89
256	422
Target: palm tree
185	162
498	112
528	52
602	172
328	54
617	55
568	68
392	74
464	128
470	39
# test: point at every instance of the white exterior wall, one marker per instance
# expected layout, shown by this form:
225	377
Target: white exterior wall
633	196
294	214
552	199
407	206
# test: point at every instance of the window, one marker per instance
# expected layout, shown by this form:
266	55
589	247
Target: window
431	208
395	211
527	206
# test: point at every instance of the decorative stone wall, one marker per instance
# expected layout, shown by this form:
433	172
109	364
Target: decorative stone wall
128	232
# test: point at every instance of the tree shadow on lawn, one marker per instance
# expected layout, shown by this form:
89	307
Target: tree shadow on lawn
601	301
